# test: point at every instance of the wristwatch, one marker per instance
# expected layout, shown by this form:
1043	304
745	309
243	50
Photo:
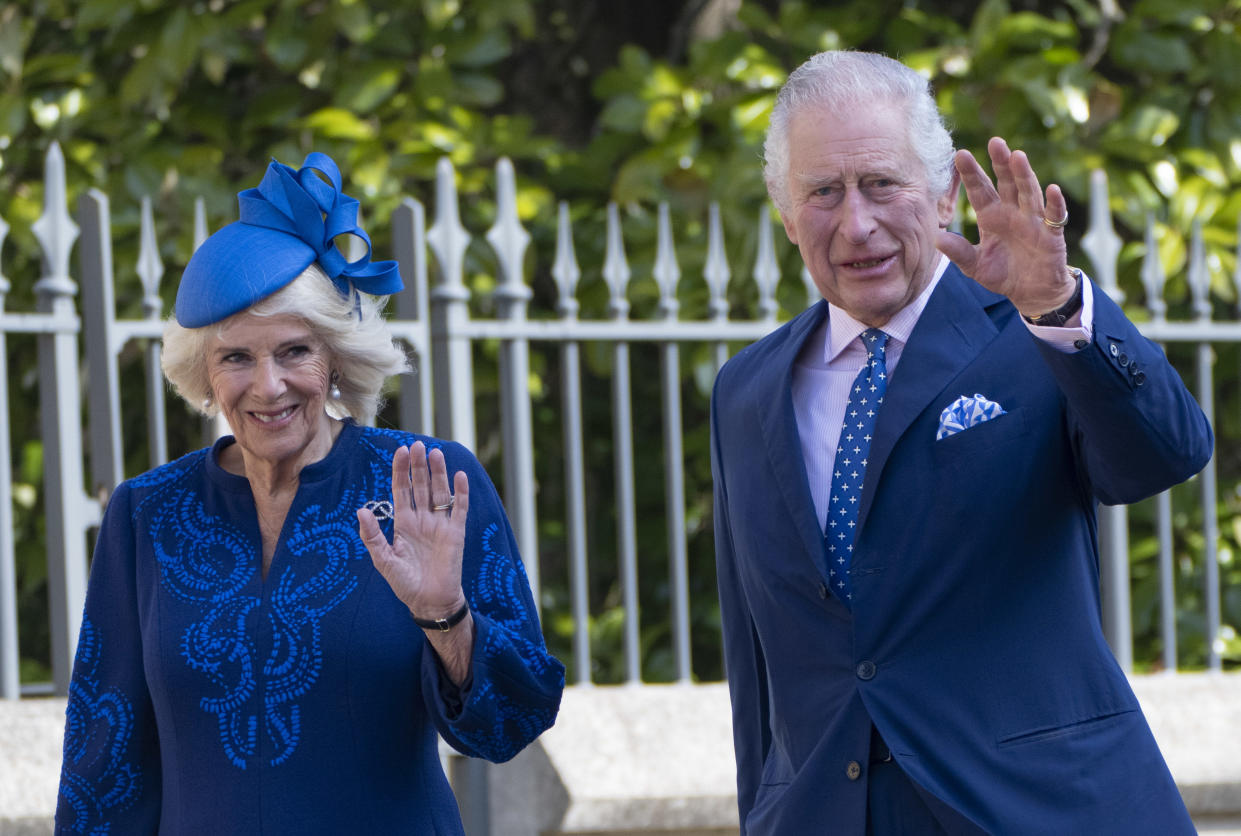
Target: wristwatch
1062	314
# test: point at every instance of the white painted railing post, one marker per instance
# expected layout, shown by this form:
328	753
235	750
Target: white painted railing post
452	365
566	272
213	428
616	273
68	509
409	242
1153	280
766	268
150	269
98	329
509	241
1102	245
10	681
717	273
668	275
1200	288
1100	241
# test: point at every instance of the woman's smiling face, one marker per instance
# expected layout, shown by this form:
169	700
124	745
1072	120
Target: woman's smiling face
270	377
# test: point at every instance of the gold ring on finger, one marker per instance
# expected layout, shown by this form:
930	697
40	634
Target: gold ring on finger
1057	224
447	506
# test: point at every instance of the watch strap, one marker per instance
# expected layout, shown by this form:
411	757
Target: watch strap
442	624
1062	314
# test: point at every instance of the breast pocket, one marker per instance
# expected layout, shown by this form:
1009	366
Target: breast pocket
982	441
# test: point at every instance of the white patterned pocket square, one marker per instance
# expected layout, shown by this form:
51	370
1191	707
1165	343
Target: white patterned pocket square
964	413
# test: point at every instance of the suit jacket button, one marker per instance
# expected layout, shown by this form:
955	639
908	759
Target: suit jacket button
1139	378
1113	349
853	771
1080	344
823	590
866	670
1123	359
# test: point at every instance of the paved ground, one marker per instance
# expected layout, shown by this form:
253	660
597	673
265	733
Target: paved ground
610	744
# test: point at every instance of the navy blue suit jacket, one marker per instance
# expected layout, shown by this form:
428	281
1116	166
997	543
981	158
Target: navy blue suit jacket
974	643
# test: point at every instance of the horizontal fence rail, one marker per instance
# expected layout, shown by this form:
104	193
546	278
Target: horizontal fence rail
448	340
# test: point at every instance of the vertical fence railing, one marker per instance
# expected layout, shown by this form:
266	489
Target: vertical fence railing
412	321
509	241
1153	280
150	269
10	678
98	331
69	512
435	321
1200	287
617	274
566	273
1102	245
667	275
453	365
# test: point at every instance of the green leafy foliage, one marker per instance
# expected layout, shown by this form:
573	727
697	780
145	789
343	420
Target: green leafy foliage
594	103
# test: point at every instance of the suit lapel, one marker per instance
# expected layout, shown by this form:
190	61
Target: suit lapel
952	330
780	436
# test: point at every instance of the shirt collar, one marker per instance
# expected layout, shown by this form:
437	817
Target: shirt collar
843	329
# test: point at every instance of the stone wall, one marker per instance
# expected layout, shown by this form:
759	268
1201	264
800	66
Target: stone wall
657	759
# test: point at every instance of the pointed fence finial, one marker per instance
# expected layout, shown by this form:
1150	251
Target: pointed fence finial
55	229
150	267
616	266
507	237
1101	243
766	268
667	272
200	222
565	270
447	237
716	270
1153	275
1199	277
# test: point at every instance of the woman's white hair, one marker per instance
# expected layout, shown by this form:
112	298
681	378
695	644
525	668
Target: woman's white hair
361	349
842	80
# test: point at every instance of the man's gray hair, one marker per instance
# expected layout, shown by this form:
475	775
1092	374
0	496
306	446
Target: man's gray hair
841	80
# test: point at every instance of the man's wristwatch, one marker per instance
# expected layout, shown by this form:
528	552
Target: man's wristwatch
1063	313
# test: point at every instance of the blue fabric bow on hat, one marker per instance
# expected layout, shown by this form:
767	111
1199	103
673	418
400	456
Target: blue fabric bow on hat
291	220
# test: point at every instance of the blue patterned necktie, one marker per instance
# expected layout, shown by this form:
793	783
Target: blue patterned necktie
850	467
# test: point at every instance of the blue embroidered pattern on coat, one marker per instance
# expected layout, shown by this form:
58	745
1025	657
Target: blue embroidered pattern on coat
98	776
253	690
499	588
205	663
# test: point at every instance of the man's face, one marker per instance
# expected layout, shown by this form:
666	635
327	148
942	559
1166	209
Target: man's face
860	209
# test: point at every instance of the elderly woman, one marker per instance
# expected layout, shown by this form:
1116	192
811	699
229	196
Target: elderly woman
277	626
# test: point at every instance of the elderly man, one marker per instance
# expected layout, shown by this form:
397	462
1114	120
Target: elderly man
906	478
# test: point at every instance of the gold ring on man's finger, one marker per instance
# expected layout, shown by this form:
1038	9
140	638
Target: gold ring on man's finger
1057	224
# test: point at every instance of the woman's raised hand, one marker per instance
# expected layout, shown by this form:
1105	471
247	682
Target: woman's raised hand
422	564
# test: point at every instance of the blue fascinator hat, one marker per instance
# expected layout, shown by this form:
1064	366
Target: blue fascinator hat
289	222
